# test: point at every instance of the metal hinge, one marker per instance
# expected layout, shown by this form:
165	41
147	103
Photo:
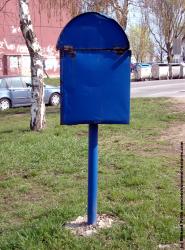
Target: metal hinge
70	50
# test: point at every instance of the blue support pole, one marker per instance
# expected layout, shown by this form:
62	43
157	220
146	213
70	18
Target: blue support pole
92	173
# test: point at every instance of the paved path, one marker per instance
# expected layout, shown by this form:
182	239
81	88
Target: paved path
162	88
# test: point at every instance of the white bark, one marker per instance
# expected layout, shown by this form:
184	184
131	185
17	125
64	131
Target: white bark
37	122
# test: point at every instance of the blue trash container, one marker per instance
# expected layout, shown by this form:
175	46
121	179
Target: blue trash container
95	71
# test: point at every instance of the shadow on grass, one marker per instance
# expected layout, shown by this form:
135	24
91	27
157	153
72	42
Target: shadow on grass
9	131
19	130
15	111
26	111
52	110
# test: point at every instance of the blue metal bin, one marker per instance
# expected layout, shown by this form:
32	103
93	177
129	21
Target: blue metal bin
95	71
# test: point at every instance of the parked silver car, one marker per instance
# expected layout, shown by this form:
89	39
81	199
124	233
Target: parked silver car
15	91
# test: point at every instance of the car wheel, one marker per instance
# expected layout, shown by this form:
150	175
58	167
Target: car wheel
4	104
55	99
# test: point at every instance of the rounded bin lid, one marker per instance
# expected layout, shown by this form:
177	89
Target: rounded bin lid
93	30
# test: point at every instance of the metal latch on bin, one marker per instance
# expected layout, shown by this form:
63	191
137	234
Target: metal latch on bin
72	51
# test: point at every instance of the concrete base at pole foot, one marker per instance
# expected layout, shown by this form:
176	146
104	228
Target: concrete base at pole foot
81	228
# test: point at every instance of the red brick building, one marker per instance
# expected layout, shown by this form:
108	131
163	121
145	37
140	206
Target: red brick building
14	56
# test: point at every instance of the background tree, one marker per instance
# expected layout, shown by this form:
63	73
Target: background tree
116	8
159	51
55	7
141	44
166	21
38	120
121	8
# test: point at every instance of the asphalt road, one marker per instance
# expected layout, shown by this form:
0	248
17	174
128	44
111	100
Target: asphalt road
161	88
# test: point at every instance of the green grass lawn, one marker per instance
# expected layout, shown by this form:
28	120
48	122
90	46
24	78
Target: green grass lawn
52	81
43	180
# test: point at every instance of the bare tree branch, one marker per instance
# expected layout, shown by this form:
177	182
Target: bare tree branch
3	6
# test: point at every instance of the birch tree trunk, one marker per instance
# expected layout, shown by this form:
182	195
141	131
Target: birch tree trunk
37	122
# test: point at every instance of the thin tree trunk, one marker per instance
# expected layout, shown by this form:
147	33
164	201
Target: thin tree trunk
169	58
121	11
161	56
37	122
125	10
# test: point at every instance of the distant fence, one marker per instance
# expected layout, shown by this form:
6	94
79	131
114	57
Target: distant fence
157	71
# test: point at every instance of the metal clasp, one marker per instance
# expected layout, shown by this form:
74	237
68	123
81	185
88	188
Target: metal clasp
72	51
